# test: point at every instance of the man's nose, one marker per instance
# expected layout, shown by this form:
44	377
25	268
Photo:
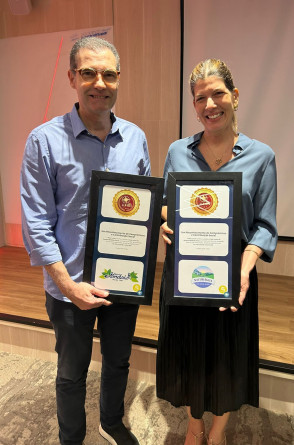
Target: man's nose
99	81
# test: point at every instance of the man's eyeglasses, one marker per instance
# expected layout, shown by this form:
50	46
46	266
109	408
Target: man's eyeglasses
90	74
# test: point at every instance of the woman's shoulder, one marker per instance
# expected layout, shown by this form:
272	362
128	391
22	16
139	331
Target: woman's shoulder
247	143
184	143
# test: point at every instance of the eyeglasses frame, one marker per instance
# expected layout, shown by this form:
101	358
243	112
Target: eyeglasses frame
98	72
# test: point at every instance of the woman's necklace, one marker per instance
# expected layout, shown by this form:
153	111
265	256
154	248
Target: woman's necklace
218	160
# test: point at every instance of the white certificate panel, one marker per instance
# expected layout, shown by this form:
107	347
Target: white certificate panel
122	239
204	239
203	277
121	275
204	201
139	201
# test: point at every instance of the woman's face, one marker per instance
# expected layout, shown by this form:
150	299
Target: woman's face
214	104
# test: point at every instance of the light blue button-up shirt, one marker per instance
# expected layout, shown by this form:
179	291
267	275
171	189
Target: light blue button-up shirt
256	161
55	183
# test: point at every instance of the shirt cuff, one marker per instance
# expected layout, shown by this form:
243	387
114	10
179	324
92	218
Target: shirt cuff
43	256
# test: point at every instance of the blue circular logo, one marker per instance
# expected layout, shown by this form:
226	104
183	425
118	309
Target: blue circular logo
203	277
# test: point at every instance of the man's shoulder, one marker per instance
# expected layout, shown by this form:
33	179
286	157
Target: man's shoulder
51	126
125	125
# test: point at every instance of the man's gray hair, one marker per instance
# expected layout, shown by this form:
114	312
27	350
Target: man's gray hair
95	44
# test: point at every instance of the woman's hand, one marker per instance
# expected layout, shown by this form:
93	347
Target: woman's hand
244	286
222	309
165	231
248	261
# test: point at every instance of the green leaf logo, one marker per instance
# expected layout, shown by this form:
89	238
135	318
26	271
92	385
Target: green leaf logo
106	273
134	277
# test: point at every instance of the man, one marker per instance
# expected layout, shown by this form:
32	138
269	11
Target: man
55	181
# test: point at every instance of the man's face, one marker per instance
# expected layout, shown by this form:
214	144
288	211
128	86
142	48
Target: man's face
95	97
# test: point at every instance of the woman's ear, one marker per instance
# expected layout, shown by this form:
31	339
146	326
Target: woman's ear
236	97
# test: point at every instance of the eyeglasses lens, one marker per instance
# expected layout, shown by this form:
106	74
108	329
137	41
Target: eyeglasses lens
89	75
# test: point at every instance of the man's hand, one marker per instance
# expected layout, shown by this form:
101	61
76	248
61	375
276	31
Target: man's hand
85	296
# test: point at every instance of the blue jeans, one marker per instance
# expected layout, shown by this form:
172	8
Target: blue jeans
74	338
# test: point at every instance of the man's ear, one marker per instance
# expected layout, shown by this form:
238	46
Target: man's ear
72	79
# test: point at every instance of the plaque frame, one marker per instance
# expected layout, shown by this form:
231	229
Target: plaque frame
120	235
209	266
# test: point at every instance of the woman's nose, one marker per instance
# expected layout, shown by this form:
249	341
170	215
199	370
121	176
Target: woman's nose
210	103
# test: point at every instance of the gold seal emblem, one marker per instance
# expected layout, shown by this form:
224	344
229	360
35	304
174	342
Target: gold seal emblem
204	201
126	203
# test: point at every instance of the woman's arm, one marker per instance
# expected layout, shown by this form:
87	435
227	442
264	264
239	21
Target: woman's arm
248	260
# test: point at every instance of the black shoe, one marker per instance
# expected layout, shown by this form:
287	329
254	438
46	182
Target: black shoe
118	435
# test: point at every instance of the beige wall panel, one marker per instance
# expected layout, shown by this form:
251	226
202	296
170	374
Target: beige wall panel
59	15
160	135
152	130
75	14
283	263
56	15
153	44
13	235
2	231
170	29
100	12
128	37
147	34
168	133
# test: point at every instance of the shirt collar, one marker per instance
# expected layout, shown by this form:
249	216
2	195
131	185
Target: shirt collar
242	142
78	126
194	140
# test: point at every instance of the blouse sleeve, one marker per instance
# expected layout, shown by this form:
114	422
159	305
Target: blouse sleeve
263	233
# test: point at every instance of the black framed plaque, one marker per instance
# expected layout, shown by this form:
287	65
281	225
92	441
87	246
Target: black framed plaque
122	235
204	259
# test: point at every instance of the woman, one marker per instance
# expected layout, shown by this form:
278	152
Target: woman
207	357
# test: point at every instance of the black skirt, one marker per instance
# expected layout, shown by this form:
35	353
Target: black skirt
207	359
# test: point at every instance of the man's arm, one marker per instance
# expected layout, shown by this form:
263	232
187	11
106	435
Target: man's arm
39	217
83	295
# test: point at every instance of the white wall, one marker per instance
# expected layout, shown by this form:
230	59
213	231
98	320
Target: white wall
38	89
255	39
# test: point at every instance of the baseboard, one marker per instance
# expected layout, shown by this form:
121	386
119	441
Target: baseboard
39	342
276	388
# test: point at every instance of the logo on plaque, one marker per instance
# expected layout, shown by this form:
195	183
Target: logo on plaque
126	203
203	276
204	201
117	276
